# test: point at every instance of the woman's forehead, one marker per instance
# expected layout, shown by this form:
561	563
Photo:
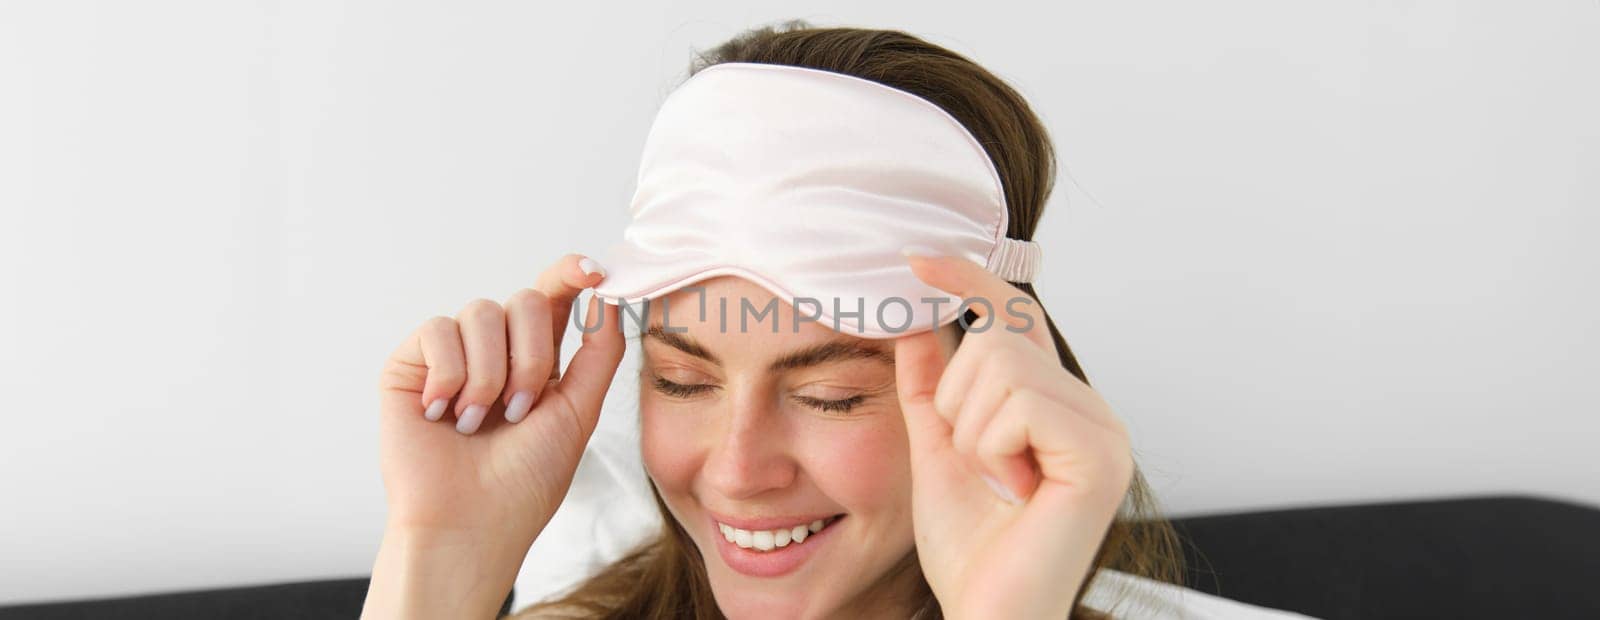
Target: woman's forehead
732	305
779	354
736	321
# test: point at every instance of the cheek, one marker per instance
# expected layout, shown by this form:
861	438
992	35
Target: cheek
670	456
863	467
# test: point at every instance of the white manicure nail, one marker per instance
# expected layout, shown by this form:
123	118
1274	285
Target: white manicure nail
435	410
590	267
470	419
518	407
918	250
1001	490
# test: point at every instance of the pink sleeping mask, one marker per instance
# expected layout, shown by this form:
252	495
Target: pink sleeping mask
809	183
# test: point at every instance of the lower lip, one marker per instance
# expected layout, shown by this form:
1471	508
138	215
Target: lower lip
774	563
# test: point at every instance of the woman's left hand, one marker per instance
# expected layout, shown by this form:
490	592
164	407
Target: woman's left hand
1004	407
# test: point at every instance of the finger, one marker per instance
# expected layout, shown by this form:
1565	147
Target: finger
990	296
532	351
998	357
919	361
483	336
1055	382
1003	445
990	387
961	372
594	365
439	346
562	283
1034	437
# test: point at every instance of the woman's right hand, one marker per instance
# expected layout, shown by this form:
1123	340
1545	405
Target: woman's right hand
480	433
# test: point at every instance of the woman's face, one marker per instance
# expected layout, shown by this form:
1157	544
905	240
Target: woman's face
758	436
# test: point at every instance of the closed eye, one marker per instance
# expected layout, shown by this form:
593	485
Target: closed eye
671	388
682	390
842	405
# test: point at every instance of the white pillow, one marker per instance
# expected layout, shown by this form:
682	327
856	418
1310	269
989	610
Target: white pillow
608	510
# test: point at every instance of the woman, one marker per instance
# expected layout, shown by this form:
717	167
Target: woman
884	476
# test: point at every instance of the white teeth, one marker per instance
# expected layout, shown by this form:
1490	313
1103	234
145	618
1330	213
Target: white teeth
767	540
762	539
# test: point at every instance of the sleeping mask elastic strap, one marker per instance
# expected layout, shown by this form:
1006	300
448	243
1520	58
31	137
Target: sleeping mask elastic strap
809	183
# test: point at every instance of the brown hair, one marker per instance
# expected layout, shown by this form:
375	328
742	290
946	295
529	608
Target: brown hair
665	577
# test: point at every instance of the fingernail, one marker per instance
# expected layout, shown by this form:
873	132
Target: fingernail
518	407
919	250
435	410
590	267
1001	490
470	419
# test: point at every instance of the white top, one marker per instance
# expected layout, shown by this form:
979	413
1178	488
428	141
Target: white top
1129	596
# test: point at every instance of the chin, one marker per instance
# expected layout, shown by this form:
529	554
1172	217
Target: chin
741	601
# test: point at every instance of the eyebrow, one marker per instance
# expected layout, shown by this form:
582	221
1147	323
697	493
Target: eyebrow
837	350
681	343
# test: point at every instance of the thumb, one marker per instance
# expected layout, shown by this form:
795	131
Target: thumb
593	366
919	361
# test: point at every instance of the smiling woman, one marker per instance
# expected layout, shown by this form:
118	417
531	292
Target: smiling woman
961	468
780	458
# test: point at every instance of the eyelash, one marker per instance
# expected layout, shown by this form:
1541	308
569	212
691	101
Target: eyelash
840	406
678	389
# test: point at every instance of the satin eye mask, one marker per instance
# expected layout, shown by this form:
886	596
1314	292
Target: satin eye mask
809	183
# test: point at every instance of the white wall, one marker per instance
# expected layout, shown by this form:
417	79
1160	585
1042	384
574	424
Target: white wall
1315	253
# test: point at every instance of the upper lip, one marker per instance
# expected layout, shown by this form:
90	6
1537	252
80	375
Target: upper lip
768	523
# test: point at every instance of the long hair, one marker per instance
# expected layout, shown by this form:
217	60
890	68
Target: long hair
665	576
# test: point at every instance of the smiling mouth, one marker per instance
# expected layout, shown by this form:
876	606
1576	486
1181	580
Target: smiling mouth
768	540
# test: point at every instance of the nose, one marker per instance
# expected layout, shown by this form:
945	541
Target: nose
750	454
